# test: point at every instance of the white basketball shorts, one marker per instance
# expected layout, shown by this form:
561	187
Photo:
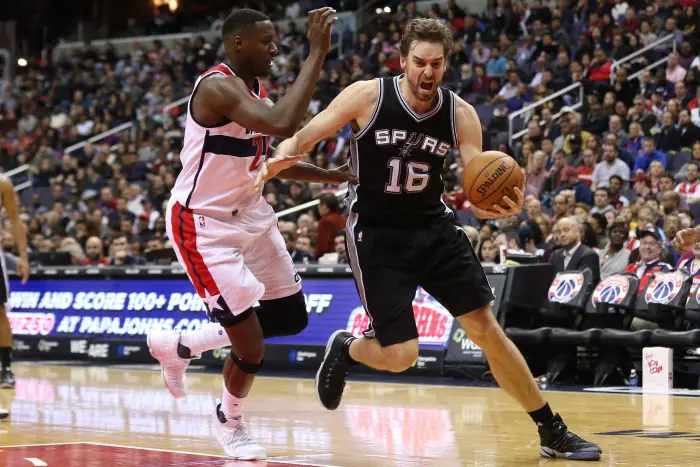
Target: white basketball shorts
232	262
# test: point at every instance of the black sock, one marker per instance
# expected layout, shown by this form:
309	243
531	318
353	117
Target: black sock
5	353
346	351
183	352
542	416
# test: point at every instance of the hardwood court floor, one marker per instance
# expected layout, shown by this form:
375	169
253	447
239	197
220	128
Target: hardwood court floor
106	415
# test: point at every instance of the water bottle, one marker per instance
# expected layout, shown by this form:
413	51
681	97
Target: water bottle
633	383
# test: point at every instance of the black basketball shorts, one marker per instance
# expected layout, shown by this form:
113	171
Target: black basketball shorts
389	264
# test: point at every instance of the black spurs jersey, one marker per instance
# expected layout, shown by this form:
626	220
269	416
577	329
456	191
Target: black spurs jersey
398	158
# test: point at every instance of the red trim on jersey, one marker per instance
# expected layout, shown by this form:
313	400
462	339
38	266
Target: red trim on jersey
185	235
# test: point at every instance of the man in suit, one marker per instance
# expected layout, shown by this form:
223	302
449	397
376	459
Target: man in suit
572	255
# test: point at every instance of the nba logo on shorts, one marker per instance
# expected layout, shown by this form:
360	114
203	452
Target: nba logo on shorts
359	237
202	223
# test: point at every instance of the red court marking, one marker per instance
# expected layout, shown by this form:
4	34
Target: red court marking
94	455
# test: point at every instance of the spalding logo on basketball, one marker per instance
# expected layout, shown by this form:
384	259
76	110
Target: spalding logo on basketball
664	288
433	321
611	290
565	287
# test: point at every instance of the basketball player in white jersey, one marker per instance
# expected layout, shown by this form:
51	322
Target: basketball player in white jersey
402	129
223	231
9	202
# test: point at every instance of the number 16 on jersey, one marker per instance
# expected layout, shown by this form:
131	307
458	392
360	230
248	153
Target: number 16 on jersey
409	177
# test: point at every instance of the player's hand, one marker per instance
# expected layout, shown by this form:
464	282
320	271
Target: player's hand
272	167
319	33
514	207
23	270
342	174
685	239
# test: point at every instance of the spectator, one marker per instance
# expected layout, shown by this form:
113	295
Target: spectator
609	167
649	154
669	138
614	258
298	255
121	254
601	201
330	223
572	255
648	264
95	252
690	188
488	251
689	133
339	254
570	181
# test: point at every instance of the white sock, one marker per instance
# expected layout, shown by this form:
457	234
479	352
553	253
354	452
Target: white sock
211	336
231	406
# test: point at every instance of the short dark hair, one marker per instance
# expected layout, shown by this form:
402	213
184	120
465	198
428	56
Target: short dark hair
426	30
620	226
330	201
601	220
617	177
666	175
240	19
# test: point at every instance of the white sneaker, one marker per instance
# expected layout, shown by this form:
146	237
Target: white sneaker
233	437
163	347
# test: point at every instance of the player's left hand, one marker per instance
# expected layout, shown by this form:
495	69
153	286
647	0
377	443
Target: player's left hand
272	167
343	174
23	270
514	207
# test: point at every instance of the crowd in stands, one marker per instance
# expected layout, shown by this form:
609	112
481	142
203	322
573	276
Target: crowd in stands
626	160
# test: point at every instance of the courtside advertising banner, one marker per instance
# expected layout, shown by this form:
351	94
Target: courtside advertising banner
128	309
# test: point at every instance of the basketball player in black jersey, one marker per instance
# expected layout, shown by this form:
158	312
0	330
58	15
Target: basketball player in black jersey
400	235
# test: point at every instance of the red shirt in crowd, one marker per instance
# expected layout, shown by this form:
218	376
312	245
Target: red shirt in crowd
600	73
328	226
646	270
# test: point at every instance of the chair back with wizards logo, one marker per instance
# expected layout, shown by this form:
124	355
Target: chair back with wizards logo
664	298
567	298
612	302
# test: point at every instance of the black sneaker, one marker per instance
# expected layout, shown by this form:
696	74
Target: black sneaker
557	441
7	379
330	378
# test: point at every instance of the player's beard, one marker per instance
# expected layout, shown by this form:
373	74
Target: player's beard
419	94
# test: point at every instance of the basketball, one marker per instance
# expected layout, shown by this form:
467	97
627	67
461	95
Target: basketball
489	177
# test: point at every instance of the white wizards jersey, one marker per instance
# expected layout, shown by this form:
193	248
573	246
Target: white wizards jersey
220	164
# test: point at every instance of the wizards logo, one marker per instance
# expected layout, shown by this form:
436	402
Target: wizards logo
611	290
664	288
565	287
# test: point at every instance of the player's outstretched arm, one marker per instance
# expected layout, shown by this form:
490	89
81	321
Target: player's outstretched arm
345	108
9	200
469	134
229	97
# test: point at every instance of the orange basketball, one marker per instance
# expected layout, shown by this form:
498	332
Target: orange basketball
489	177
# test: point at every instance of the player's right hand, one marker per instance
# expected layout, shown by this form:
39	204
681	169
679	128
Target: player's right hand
319	29
685	239
274	166
23	270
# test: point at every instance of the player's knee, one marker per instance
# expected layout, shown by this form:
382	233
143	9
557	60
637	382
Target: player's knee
286	316
481	326
400	357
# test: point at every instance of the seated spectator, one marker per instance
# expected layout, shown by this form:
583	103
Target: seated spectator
330	223
599	223
569	181
636	139
585	170
614	258
610	166
689	132
472	235
648	264
669	138
601	201
339	254
536	174
674	72
582	211
121	256
649	154
94	252
299	248
691	265
690	188
572	255
488	251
